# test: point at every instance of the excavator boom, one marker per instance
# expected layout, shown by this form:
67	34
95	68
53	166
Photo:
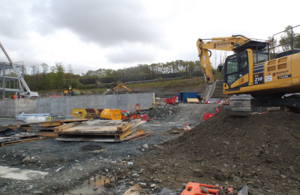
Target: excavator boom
221	43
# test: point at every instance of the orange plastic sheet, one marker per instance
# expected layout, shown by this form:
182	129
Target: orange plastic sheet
203	189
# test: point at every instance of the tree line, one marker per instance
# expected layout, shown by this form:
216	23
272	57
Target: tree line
45	77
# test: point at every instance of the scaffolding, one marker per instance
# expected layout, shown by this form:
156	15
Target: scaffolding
11	76
10	82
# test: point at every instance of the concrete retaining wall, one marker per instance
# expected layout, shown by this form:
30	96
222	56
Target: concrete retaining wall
64	105
14	107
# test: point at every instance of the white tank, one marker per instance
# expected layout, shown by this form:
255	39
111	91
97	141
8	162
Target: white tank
35	119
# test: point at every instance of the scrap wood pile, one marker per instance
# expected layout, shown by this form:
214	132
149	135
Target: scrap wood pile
261	151
71	130
99	131
10	136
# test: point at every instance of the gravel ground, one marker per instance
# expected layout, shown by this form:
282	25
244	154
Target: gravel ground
79	160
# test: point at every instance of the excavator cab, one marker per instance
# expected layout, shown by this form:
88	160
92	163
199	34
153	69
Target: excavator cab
236	68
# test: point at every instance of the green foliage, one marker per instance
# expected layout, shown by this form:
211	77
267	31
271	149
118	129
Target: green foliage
160	79
59	79
56	78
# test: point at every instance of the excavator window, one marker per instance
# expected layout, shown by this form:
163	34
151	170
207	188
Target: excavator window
231	69
236	67
232	65
243	61
260	57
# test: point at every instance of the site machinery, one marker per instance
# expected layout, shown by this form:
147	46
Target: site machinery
113	89
250	71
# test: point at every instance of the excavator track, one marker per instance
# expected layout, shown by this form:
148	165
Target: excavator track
239	106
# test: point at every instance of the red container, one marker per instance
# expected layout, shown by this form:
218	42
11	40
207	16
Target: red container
171	101
207	116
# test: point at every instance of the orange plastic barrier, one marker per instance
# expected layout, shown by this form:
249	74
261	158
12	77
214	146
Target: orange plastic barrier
144	117
203	189
207	116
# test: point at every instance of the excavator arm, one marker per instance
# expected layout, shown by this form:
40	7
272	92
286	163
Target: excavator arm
221	43
126	88
121	84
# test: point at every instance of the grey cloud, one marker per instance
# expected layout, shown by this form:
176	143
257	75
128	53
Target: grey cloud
105	22
14	19
188	55
131	55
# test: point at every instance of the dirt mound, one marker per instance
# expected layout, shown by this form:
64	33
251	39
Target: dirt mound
261	151
91	147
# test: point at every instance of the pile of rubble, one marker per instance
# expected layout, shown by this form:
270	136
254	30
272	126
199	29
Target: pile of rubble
260	151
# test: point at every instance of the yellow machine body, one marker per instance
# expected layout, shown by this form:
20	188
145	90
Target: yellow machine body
280	75
111	114
85	113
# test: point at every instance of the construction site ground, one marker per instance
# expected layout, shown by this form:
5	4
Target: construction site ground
260	151
70	164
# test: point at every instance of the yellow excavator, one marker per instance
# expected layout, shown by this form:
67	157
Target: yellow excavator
250	71
113	89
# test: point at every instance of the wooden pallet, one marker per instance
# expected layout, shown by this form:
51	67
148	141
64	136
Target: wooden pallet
99	131
22	141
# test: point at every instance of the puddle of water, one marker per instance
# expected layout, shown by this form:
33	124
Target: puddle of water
21	174
94	187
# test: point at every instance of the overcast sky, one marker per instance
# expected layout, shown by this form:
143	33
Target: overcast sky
93	34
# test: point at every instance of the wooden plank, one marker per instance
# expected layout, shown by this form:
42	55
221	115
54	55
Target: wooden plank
124	127
94	127
87	139
75	120
124	134
22	141
50	124
64	127
134	190
136	133
48	134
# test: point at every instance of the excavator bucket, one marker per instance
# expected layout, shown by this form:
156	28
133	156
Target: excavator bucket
214	90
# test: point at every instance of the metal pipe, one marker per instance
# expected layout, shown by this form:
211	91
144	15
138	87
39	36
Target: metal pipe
7	56
292	39
3	78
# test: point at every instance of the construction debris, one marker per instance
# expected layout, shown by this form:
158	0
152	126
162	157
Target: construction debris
99	131
21	137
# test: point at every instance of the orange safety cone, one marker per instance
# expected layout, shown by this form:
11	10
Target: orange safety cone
188	128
